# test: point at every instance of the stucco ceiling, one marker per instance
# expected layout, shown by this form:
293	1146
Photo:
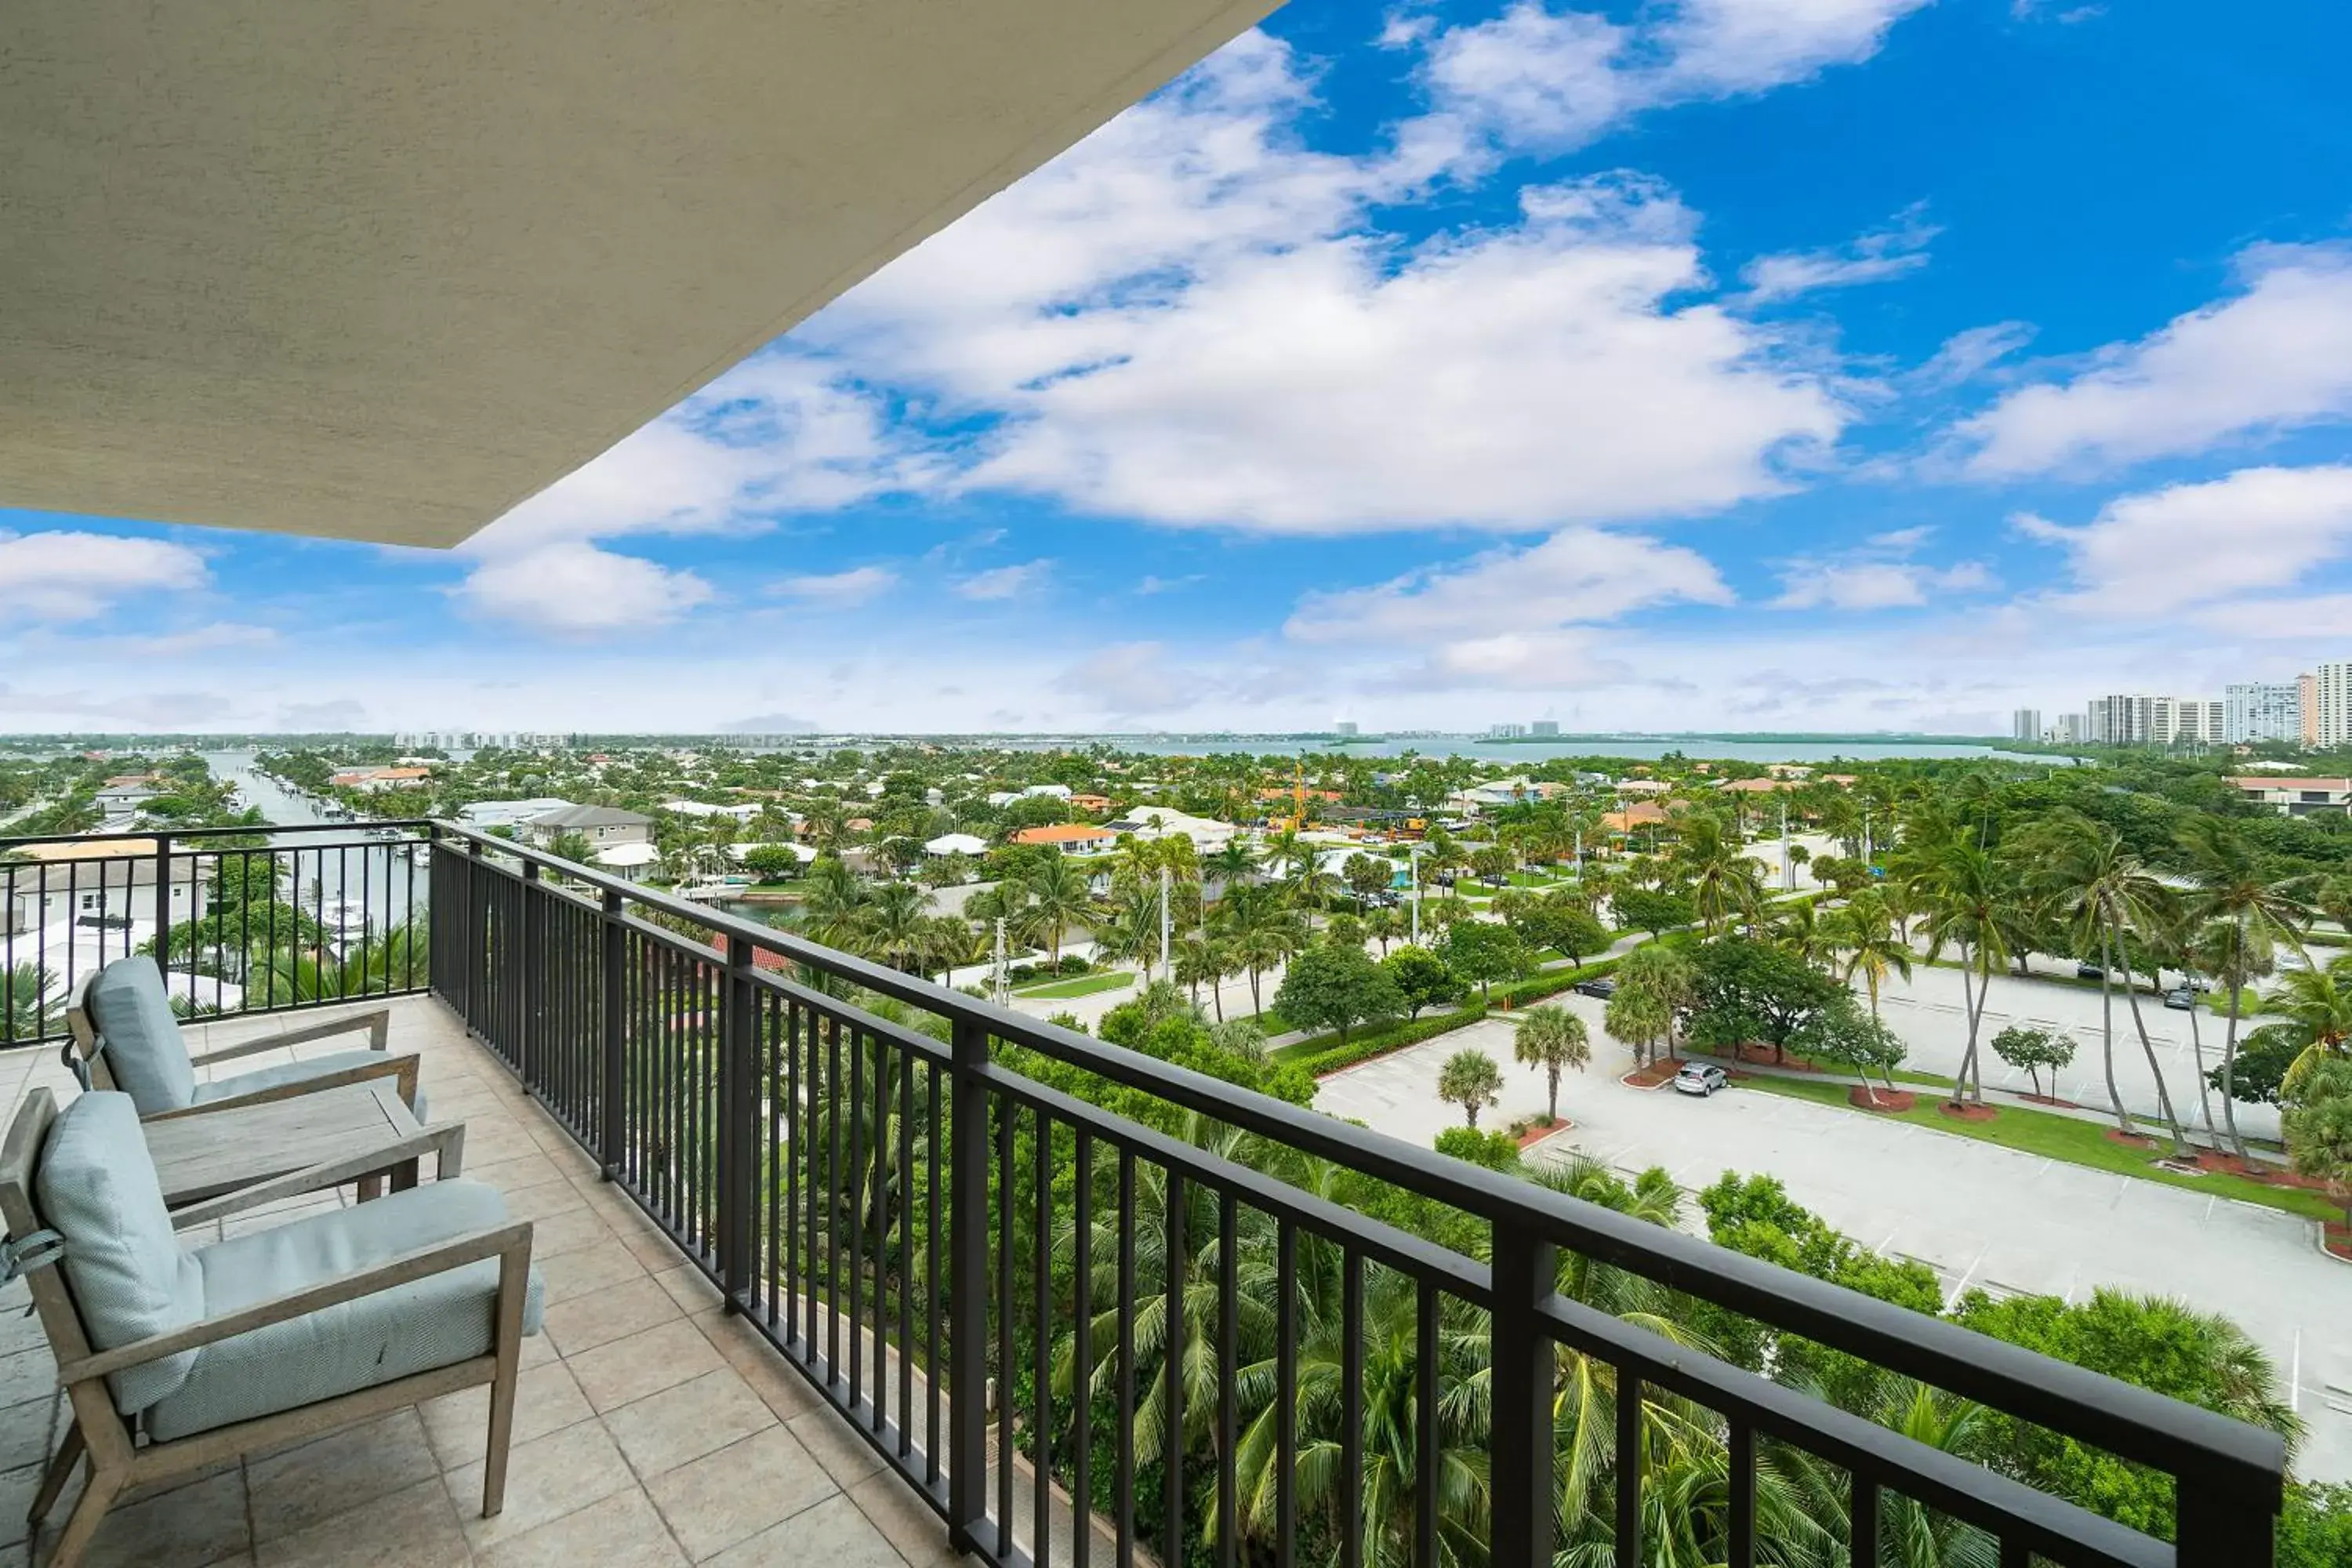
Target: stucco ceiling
383	271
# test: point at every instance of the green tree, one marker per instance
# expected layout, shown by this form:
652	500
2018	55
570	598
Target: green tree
773	862
1665	973
1424	980
1332	986
1060	895
1638	909
1859	1042
2317	1004
2235	891
31	1006
2023	1046
1748	989
1865	933
1554	1039
2318	1128
1486	952
1367	875
1470	1079
573	847
1638	1016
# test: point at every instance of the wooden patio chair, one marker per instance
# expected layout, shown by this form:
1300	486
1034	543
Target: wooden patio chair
124	1036
175	1358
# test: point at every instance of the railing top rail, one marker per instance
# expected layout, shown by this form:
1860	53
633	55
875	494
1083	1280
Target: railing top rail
2123	1419
182	834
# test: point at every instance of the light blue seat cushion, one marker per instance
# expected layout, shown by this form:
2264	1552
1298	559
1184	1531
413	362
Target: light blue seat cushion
95	1186
140	1036
430	1323
296	1072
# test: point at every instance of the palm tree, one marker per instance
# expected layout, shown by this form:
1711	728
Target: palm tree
1865	931
1553	1038
2106	893
894	922
1261	930
1234	863
1060	895
1198	962
1470	1079
833	903
1961	887
2317	1004
2254	910
1639	1016
27	1010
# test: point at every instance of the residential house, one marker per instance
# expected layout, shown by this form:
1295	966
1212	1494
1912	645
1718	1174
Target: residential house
1072	837
1089	803
1152	822
956	844
489	814
96	885
601	825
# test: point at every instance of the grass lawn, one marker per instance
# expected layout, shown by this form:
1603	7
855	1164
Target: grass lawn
2063	1138
1083	985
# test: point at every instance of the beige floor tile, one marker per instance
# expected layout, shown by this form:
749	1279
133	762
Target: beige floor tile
846	1455
907	1522
415	1527
189	1528
544	1200
626	1370
596	1267
760	1363
523	1170
690	1287
621	1531
546	1478
27	1375
587	1321
553	1234
16	1490
685	1423
546	1400
27	1430
736	1492
332	1475
833	1533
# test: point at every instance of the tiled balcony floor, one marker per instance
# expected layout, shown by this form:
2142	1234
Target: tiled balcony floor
650	1429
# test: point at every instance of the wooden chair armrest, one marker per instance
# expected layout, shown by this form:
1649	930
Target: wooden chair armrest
401	1068
510	1243
376	1021
445	1140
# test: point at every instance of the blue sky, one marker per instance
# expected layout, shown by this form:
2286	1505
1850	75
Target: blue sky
1707	364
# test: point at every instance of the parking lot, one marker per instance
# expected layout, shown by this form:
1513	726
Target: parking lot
1980	1214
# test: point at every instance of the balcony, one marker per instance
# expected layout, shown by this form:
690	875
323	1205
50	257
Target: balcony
816	1276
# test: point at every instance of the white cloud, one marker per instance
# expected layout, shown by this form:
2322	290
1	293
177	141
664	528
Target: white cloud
2274	357
1129	679
1004	582
1872	257
1549	81
2310	618
572	588
2157	551
1878	575
837	590
65	576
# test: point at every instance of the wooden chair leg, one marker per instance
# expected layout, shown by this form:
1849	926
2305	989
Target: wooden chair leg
494	1465
81	1525
371	1188
60	1471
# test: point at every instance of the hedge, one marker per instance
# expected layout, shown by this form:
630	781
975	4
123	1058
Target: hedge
1551	982
1322	1053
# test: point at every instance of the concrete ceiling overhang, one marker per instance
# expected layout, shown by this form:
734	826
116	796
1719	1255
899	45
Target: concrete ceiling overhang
381	270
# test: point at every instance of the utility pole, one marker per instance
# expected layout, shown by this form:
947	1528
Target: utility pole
997	991
1788	867
1167	914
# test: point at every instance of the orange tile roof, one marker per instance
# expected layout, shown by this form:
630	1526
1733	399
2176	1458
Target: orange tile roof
1062	833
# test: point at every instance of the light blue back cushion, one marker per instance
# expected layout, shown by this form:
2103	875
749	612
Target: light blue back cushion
97	1187
140	1036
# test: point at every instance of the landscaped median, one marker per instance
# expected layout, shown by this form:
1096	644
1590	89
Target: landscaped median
2077	1143
1321	1054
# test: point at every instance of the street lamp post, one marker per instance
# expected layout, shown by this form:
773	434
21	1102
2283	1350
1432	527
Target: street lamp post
1412	859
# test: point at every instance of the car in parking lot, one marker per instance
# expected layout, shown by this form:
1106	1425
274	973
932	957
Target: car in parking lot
1701	1078
2181	999
2087	971
1601	986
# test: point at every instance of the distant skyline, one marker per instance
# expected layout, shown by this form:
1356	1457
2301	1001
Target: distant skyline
1700	367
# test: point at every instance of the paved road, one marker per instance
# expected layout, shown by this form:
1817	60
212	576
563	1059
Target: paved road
1926	1011
1980	1214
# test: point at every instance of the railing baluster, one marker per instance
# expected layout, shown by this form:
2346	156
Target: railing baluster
739	1166
905	1268
1005	1113
967	1272
1126	1487
1742	1524
1172	1426
1040	1337
1425	1433
1629	1468
1520	1463
1861	1532
1285	1396
1228	1374
936	1226
1082	1328
1351	1410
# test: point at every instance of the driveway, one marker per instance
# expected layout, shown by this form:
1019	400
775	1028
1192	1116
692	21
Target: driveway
1980	1214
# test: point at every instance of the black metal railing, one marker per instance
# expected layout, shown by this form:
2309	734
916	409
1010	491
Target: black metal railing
242	921
1018	1296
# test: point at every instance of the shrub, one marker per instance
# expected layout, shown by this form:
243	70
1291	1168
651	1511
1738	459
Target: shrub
1331	1055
